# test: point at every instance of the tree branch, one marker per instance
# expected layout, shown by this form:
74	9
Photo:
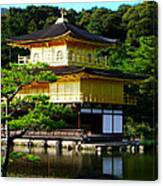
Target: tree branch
15	92
12	137
4	95
16	108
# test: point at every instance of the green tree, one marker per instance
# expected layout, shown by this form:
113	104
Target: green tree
30	112
134	129
32	26
102	21
135	26
71	15
141	59
95	25
144	60
83	19
17	21
141	20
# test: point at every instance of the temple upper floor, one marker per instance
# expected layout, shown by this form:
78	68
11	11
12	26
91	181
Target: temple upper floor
65	55
63	44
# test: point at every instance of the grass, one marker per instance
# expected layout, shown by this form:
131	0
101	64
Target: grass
30	157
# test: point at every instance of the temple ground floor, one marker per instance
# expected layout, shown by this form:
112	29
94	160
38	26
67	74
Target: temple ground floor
99	120
92	123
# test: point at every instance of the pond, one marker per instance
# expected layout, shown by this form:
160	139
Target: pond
84	165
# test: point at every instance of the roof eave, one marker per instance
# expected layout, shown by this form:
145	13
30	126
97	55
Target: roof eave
23	42
127	77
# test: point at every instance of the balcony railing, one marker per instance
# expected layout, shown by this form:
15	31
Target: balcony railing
66	97
23	59
85	60
76	59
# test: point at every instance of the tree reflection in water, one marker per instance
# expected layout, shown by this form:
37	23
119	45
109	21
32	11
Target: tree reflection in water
84	165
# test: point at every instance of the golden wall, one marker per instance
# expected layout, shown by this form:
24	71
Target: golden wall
34	89
65	92
102	91
81	90
87	90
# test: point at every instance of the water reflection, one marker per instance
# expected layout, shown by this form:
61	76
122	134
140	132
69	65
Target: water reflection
75	164
113	166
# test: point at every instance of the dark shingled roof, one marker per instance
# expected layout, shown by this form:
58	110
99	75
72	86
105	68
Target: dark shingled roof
59	29
106	73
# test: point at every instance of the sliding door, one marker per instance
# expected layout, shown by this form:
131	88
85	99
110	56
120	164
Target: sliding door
112	122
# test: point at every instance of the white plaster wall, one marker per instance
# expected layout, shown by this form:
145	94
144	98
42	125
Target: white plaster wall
49	55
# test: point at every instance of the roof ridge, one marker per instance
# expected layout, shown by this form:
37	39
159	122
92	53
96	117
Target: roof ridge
55	30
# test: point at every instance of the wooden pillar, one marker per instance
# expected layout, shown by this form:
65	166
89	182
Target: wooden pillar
78	116
79	122
45	144
30	143
59	149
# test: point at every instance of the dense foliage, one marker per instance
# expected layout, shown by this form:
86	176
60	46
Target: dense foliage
127	23
15	76
37	113
31	112
134	26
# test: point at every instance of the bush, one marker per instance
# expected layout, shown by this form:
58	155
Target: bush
134	129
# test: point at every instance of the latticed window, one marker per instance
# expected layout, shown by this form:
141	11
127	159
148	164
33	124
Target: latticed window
71	55
59	55
53	54
89	58
78	58
36	57
47	53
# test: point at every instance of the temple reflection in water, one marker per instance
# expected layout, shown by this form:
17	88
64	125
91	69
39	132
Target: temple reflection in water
84	165
113	166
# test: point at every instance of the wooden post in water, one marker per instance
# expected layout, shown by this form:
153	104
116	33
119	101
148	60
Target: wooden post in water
59	149
30	143
78	116
45	144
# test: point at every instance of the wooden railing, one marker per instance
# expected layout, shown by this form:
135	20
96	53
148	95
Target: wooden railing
84	60
75	60
23	59
79	97
56	133
66	97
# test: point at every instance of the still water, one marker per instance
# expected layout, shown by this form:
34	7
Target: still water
85	165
